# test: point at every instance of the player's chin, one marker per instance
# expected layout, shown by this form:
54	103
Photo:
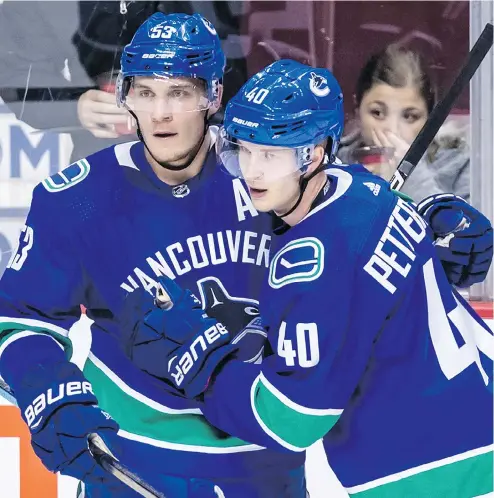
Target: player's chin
263	205
173	157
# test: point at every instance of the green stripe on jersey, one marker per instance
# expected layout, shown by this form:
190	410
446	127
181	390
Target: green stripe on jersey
10	329
466	477
176	430
169	429
291	425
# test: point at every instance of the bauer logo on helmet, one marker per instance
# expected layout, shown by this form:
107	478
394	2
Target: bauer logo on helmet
244	122
165	55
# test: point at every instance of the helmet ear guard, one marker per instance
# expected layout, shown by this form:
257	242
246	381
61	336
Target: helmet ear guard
214	92
213	89
304	156
330	150
122	89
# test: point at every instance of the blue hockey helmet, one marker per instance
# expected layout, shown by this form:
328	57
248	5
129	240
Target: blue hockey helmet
288	104
173	45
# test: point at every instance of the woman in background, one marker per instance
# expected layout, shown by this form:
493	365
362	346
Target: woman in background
394	97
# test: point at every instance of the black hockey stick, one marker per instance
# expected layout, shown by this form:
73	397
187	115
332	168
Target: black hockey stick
103	458
440	112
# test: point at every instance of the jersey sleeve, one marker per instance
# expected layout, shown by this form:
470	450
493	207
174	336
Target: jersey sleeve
323	337
41	289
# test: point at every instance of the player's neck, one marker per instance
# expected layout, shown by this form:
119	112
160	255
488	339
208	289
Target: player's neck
171	177
314	186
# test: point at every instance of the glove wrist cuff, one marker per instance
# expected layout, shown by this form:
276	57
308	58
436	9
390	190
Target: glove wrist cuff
48	387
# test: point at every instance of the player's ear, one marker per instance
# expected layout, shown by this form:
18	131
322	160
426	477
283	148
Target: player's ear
317	157
217	103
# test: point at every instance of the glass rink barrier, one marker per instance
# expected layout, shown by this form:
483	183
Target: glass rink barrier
59	64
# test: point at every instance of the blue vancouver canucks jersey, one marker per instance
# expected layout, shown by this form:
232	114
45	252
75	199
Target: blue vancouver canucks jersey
104	227
372	350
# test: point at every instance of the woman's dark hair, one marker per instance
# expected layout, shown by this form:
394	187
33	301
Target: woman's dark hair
398	67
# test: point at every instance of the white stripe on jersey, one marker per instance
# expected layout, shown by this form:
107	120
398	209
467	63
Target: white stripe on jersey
22	335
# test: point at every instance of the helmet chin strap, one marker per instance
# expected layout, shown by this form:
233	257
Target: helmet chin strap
304	181
165	164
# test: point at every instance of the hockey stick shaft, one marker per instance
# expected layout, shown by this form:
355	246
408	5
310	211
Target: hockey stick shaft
103	458
122	473
6	393
440	112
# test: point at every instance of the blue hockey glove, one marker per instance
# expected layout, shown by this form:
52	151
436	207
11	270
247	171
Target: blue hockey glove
149	335
463	238
60	409
182	345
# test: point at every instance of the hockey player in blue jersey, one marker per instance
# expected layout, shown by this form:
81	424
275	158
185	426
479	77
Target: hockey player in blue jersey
373	350
112	224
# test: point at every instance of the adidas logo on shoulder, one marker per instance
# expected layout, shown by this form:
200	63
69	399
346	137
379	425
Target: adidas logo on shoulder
373	187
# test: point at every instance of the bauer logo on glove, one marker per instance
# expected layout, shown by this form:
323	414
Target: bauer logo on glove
196	350
43	400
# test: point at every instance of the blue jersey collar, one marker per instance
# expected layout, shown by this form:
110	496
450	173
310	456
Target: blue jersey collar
176	191
280	227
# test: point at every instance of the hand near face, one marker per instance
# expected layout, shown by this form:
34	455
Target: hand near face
392	140
98	113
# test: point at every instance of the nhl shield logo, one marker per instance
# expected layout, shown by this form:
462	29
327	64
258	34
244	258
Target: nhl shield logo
180	191
318	85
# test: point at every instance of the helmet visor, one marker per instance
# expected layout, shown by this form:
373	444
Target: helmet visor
161	94
261	163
